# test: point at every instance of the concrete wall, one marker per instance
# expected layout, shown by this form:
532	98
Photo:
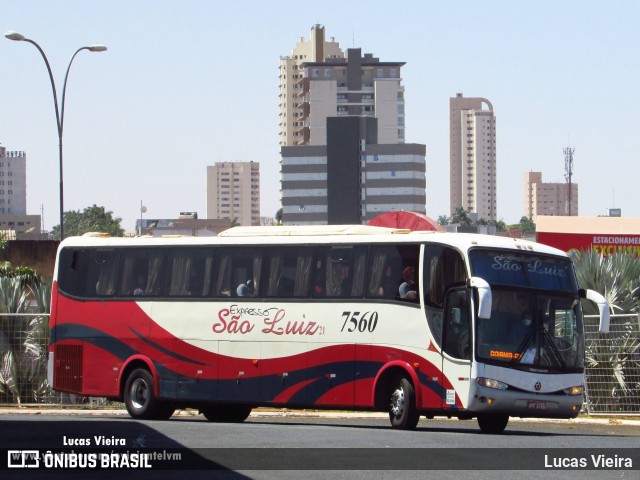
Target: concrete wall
37	254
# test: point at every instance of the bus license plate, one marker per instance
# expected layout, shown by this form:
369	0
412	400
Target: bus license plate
538	405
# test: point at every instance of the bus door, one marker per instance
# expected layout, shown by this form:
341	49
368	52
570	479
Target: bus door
456	348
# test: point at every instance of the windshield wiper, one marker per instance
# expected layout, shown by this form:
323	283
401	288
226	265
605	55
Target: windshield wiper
549	340
523	347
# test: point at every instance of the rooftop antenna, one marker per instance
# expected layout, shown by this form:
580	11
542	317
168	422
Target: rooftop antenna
568	172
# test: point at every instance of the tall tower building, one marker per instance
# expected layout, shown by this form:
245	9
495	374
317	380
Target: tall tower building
13	197
318	81
472	147
342	137
233	192
316	49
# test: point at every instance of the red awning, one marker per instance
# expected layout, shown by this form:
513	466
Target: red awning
409	220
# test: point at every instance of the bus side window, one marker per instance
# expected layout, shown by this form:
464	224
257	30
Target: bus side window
290	272
188	273
384	270
140	272
344	270
237	267
102	274
442	268
72	271
408	283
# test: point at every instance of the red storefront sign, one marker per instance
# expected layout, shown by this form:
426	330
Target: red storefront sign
606	244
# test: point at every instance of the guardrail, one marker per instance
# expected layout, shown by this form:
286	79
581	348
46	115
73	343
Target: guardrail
612	366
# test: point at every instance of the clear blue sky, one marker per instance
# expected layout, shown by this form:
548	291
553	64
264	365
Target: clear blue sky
187	83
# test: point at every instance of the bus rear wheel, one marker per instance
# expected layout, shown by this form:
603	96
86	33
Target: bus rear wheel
403	413
226	413
140	399
492	422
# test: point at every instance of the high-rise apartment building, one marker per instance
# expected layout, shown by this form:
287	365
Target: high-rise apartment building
13	182
342	136
548	198
318	80
14	221
233	192
472	151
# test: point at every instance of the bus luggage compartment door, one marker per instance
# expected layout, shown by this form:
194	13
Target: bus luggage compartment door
239	371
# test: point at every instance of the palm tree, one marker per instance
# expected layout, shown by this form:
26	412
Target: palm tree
612	360
616	276
461	216
23	343
443	220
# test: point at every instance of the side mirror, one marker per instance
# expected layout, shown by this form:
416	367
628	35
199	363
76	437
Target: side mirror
484	296
603	307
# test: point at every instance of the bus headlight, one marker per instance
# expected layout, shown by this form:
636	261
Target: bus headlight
491	383
579	390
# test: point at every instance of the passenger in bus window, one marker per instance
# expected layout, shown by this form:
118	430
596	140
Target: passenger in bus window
245	289
139	290
407	289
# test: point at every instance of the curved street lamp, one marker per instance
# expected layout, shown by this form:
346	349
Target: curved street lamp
15	36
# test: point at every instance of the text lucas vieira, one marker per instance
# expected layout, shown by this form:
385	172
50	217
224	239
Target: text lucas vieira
592	461
98	441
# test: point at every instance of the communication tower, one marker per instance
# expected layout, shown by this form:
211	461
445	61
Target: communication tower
568	171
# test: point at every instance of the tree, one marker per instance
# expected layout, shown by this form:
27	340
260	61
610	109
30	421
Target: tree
500	225
443	220
91	219
616	276
527	227
279	217
461	216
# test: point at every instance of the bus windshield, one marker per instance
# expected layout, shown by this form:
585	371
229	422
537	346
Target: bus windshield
536	321
528	330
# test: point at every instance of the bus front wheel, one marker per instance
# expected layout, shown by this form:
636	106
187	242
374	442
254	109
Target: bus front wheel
403	413
492	422
140	399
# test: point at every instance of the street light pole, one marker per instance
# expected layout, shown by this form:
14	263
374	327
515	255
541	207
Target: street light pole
59	108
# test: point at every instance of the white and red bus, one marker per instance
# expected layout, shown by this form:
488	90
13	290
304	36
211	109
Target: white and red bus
335	317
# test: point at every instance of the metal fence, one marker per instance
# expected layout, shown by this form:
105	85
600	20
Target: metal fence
612	365
23	359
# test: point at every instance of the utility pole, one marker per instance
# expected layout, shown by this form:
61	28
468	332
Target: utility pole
568	171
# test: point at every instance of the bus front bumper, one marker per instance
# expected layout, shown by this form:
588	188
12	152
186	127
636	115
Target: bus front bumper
517	403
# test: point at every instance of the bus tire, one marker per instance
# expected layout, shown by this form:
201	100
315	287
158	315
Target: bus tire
226	413
140	399
492	422
163	411
403	413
